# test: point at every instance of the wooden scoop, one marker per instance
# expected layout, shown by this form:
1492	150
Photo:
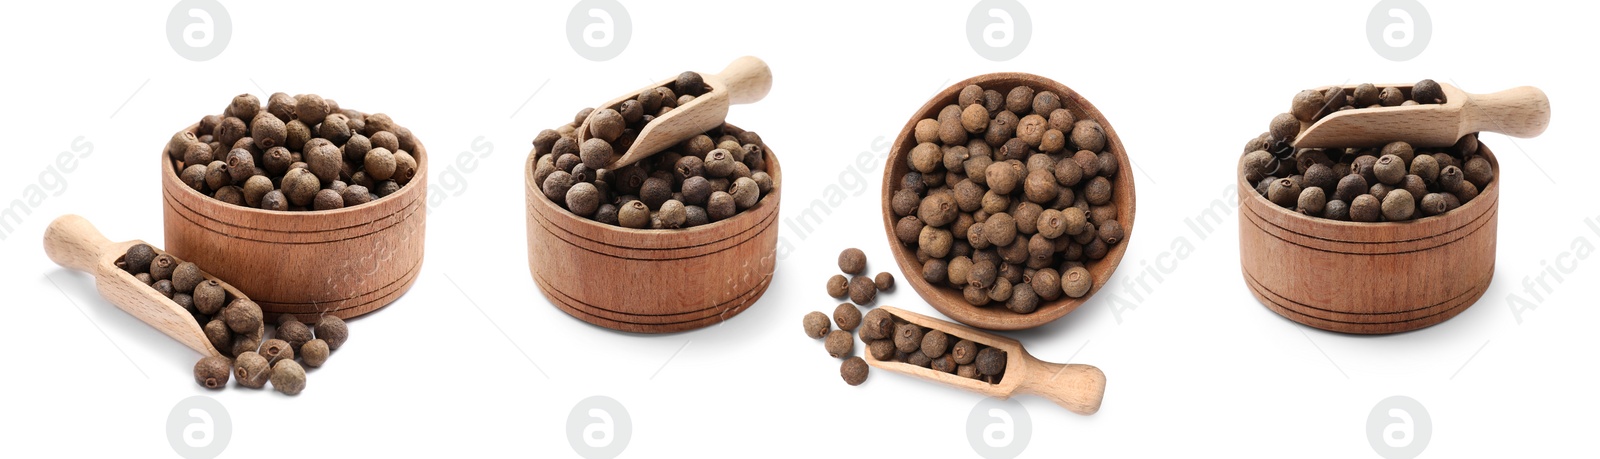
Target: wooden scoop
744	81
1076	387
1517	112
72	242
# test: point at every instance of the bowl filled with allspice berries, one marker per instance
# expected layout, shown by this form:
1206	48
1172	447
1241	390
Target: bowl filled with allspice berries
683	238
309	208
1385	237
1008	201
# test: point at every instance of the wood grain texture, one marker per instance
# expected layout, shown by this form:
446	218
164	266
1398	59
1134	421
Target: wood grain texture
345	262
74	243
652	281
745	80
1368	278
949	300
1518	112
1077	387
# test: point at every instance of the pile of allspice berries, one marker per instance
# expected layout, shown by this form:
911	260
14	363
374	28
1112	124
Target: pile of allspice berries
1392	183
296	153
708	178
890	338
861	290
235	327
1008	196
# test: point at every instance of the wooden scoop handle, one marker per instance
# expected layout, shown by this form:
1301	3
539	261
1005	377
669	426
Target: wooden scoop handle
747	80
1076	387
1518	112
73	242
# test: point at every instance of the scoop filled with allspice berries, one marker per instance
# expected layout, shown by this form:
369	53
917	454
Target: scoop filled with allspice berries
195	308
913	344
1008	201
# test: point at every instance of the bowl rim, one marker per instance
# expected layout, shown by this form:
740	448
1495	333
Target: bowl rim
1000	318
170	172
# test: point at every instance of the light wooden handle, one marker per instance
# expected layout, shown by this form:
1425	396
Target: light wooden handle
1076	387
1518	112
747	80
73	242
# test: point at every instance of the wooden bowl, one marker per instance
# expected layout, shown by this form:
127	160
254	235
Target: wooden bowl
948	300
1368	278
345	262
652	281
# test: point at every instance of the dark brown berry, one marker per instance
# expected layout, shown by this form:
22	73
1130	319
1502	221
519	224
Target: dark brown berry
816	324
847	316
838	344
212	372
854	371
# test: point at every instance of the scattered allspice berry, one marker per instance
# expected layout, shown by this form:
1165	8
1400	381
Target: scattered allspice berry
276	350
816	324
854	371
838	286
877	324
288	377
863	290
333	330
884	281
852	261
314	353
838	343
847	316
212	372
293	331
252	370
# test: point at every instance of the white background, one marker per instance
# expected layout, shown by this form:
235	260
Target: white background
1199	366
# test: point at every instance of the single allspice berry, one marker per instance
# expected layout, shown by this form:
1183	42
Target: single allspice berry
878	324
863	290
935	343
252	370
854	371
212	371
288	377
333	330
816	324
964	352
838	286
209	297
138	258
884	281
838	343
276	350
852	261
908	338
991	362
314	353
293	331
847	316
242	316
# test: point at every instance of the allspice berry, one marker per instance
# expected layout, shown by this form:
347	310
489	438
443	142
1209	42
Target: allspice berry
907	338
853	261
838	343
242	316
854	371
838	286
1389	169
208	297
633	214
218	334
1399	205
884	281
847	316
288	377
138	258
252	370
1076	282
1284	192
991	362
816	324
333	330
935	343
276	350
1365	208
964	352
296	333
314	353
379	163
881	349
862	290
878	324
212	371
